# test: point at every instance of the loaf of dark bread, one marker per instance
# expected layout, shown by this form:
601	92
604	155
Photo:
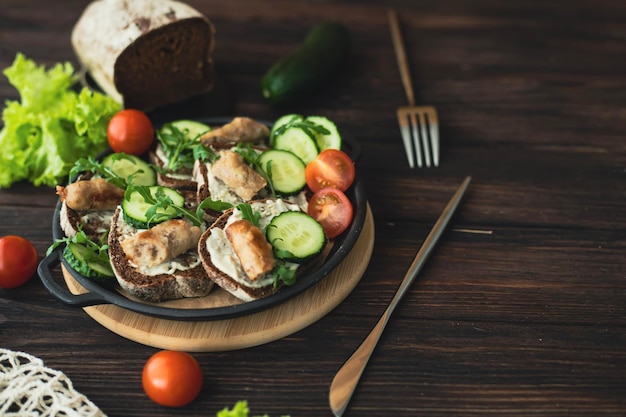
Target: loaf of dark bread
146	53
192	282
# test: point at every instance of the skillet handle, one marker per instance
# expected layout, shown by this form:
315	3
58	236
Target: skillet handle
44	269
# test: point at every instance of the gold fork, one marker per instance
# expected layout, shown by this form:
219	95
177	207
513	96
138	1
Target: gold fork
418	124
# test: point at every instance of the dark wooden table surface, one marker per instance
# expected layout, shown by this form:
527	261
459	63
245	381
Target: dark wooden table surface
526	318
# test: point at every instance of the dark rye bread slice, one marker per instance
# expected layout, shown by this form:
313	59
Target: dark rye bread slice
95	224
168	64
202	181
188	283
226	282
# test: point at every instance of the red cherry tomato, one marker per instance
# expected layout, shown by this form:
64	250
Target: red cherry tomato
172	378
130	131
332	209
18	261
331	168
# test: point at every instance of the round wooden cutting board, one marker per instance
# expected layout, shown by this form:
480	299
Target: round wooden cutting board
247	331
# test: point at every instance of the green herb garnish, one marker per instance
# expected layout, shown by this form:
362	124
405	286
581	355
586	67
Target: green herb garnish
283	272
216	205
310	128
181	149
89	164
98	251
248	214
162	207
88	258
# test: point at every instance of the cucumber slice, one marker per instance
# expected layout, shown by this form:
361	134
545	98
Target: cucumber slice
295	236
190	128
286	170
135	206
329	141
298	142
84	261
125	165
282	121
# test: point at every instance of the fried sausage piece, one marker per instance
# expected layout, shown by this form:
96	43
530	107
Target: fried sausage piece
96	194
161	243
253	250
241	178
239	130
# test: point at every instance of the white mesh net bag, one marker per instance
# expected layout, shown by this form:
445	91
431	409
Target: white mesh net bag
28	388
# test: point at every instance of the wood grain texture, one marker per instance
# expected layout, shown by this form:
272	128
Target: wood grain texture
528	319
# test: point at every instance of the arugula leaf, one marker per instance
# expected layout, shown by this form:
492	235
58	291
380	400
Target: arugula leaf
98	252
181	149
52	126
89	164
217	205
161	201
310	128
248	214
284	272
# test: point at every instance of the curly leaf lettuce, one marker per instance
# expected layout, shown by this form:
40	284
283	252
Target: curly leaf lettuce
51	126
240	409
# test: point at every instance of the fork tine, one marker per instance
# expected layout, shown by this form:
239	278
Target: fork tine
417	148
423	134
420	135
433	127
403	121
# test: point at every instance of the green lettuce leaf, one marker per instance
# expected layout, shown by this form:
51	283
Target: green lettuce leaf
240	409
51	126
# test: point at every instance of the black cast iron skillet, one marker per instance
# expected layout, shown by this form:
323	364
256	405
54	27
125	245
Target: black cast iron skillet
102	294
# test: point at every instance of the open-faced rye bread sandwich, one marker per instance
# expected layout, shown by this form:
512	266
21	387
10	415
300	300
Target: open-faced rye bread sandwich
88	203
175	153
253	249
153	252
187	149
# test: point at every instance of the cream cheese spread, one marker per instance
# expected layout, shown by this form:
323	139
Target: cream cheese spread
224	257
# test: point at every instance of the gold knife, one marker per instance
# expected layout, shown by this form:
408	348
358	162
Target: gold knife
347	378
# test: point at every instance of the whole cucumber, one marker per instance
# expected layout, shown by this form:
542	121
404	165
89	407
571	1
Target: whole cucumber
323	52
